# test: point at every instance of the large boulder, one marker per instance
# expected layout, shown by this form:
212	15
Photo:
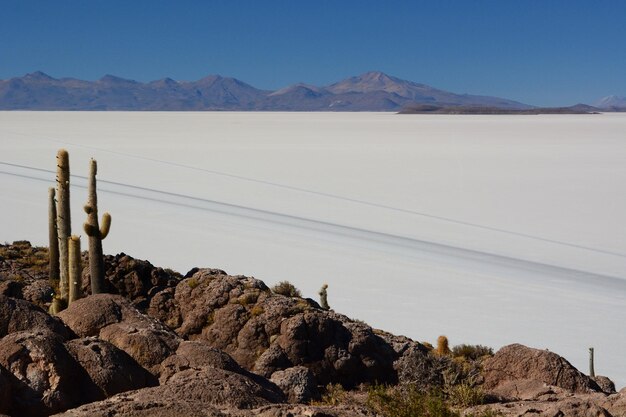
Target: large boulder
298	383
18	315
110	369
201	393
114	319
44	377
518	362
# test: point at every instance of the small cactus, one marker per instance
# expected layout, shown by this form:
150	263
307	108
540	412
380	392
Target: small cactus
53	235
442	346
95	232
324	297
75	269
64	226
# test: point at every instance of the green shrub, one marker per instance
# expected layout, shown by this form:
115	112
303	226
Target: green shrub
407	402
471	352
287	289
334	394
466	395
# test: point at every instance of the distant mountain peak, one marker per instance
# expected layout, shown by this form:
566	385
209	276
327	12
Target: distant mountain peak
112	79
612	101
370	91
38	75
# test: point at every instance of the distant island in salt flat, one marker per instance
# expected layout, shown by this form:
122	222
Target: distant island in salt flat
371	91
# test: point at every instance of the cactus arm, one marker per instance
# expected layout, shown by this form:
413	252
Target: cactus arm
95	232
105	226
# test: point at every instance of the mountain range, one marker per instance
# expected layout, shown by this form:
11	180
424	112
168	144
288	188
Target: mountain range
372	91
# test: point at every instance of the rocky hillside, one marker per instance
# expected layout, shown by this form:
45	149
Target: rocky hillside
211	344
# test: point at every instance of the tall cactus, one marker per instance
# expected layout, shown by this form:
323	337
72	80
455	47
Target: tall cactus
95	232
53	236
75	269
64	226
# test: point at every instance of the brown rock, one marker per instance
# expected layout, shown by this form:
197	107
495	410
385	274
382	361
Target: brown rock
298	383
5	391
38	292
515	362
110	369
188	393
606	385
112	318
87	316
147	345
132	278
45	377
266	332
196	355
18	315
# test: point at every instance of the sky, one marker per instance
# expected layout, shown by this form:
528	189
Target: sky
553	52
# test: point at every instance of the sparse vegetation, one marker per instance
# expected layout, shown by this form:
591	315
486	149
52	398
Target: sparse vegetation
334	394
407	401
287	289
471	352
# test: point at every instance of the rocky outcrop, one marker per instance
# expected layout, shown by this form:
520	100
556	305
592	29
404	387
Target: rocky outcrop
517	362
110	369
112	318
134	279
266	332
190	393
44	378
19	315
298	383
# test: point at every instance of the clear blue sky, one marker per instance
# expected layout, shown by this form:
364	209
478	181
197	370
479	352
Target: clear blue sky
543	52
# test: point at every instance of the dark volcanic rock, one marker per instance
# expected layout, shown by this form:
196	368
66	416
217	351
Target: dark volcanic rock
606	385
196	355
132	278
45	377
298	383
189	393
266	332
17	315
5	391
112	318
109	368
518	362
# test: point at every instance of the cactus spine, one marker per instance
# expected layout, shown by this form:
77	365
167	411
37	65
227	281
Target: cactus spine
53	236
64	226
75	269
95	233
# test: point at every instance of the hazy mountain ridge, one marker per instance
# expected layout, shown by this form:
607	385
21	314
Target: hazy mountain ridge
615	103
372	91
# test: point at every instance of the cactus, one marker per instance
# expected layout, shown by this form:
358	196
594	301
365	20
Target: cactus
324	297
95	232
53	235
56	306
75	269
442	346
592	372
64	226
